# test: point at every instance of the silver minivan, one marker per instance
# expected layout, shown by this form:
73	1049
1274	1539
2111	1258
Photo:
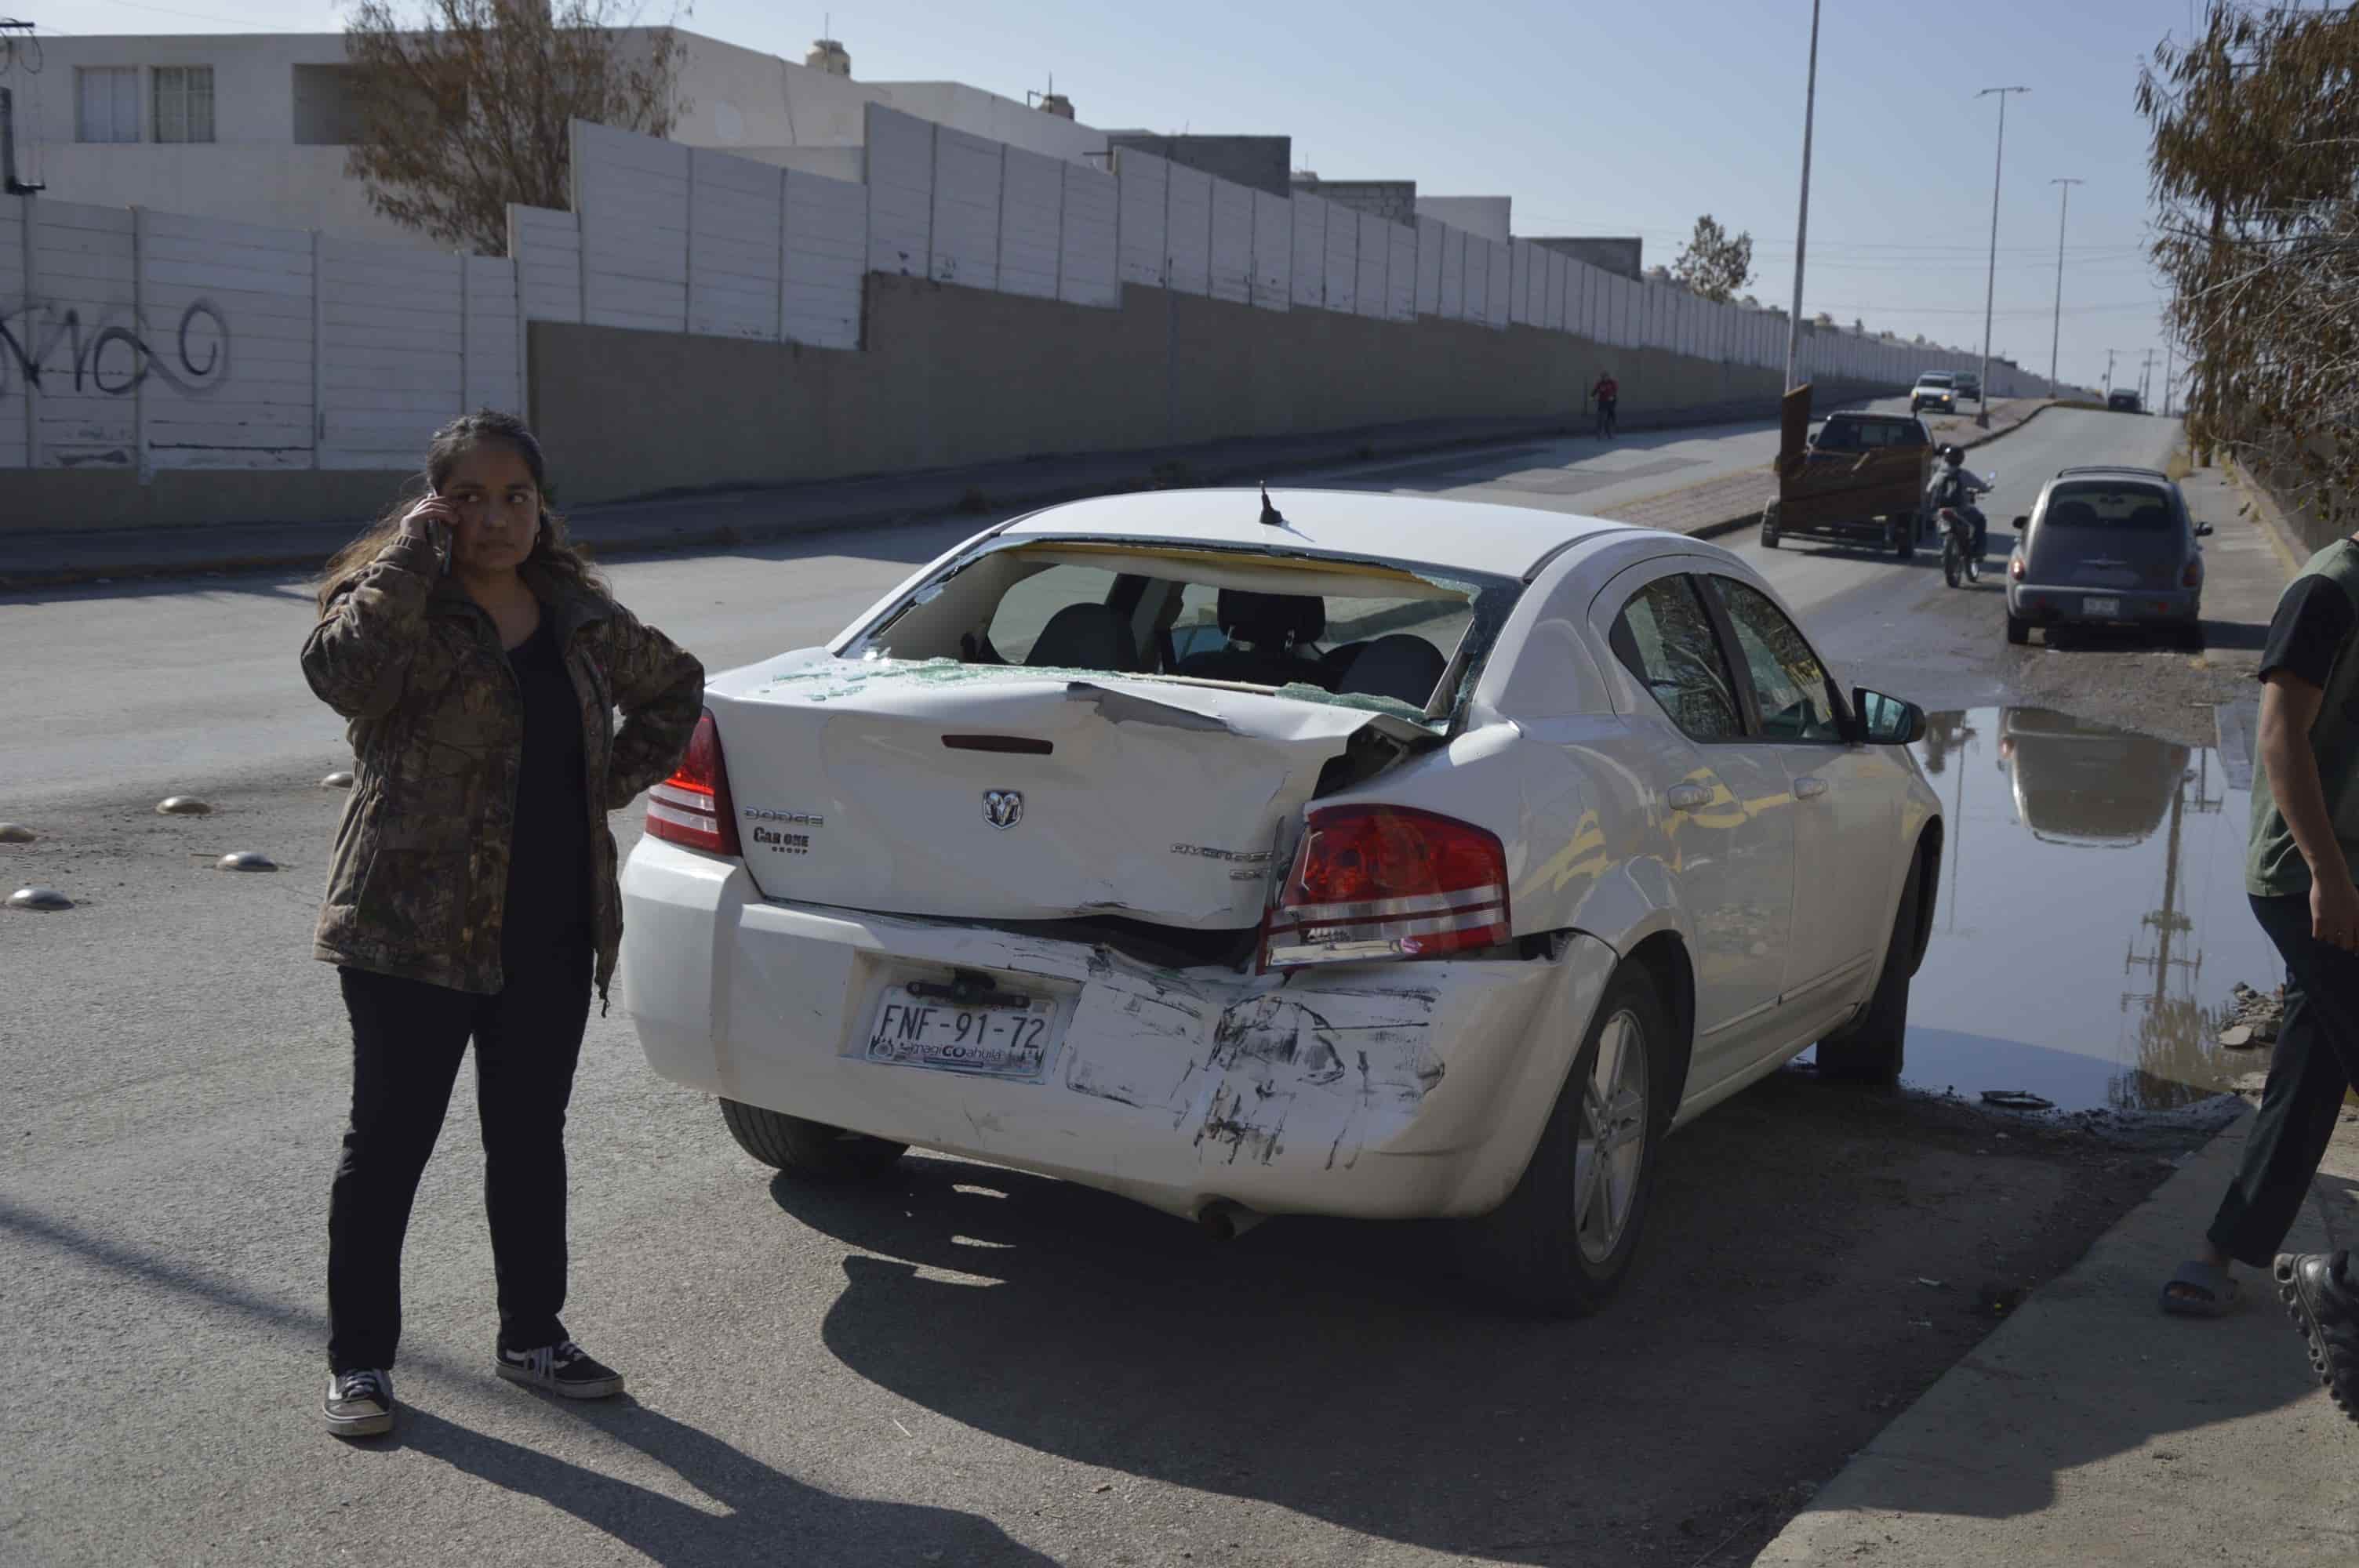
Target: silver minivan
2108	546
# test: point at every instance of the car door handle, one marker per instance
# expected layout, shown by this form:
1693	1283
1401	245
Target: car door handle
1810	788
1688	797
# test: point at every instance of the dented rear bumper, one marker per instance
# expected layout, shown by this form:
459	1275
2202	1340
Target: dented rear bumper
1392	1090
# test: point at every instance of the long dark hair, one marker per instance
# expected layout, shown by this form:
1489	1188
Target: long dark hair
552	552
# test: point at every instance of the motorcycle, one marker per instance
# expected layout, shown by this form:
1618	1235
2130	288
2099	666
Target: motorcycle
1964	537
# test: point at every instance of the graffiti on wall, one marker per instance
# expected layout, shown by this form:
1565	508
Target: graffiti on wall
112	354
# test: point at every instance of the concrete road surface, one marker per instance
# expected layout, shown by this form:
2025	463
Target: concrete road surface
968	1366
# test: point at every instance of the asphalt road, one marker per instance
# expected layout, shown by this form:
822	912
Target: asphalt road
969	1366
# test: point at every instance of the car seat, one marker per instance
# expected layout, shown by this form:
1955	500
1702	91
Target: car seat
1085	637
1264	630
1401	666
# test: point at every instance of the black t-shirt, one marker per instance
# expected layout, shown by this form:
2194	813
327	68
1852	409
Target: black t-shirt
2313	620
548	851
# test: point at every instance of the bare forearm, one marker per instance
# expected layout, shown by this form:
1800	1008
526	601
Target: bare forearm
2300	793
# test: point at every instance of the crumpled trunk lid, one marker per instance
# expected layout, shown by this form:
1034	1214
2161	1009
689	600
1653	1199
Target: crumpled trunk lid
992	794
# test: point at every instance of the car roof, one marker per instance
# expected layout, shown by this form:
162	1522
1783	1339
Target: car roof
2124	473
1938	375
1862	416
1478	536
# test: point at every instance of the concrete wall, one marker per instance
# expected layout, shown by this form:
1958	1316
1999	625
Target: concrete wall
953	375
1623	257
1258	163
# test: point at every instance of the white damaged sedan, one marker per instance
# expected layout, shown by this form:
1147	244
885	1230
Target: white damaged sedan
1350	855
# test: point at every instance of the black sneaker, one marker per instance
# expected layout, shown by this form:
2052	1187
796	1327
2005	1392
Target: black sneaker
2321	1293
562	1368
360	1403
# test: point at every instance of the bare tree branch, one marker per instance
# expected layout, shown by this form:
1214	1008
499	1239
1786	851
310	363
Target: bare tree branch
465	104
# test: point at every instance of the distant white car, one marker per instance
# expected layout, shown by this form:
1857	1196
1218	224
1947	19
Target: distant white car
1361	855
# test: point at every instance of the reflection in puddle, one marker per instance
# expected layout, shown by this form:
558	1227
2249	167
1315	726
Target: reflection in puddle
2092	921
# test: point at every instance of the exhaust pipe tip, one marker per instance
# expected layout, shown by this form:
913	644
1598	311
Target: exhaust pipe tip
1224	1219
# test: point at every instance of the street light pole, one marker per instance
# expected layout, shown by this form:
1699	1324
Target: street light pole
1990	288
1802	221
2057	337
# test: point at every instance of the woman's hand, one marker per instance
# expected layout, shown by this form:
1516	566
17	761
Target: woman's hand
432	520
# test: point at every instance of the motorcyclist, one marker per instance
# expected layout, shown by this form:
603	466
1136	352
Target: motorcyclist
1955	485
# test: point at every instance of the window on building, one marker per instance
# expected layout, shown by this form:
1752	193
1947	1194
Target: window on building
184	103
106	103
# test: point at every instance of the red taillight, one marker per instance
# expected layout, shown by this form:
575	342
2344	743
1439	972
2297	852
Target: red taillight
1384	882
2014	568
2193	576
693	806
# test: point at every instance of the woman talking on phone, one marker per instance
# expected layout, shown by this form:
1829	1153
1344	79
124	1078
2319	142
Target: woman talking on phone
472	892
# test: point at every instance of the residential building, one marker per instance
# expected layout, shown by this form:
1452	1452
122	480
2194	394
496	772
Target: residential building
256	127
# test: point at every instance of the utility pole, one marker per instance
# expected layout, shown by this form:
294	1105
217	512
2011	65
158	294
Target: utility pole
2109	370
2057	338
1802	221
1990	285
2168	372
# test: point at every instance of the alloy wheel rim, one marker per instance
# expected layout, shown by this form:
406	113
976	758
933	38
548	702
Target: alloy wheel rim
1609	1148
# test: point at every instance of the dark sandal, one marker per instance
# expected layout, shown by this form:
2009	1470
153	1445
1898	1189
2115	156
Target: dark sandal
2219	1291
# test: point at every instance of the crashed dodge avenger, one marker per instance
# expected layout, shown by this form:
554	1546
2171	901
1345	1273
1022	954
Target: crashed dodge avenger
1350	854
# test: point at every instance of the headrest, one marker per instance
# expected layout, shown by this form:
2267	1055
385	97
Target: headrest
1272	618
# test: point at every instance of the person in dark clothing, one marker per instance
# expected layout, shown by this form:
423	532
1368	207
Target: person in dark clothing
1607	394
472	892
2303	844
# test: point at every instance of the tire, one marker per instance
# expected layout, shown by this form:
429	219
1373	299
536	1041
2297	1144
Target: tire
1906	550
2019	630
1871	1049
1769	534
1950	562
803	1148
1533	1251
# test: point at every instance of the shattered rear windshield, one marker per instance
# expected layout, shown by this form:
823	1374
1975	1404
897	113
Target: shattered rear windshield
1382	635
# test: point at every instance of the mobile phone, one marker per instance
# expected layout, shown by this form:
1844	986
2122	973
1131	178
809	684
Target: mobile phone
439	532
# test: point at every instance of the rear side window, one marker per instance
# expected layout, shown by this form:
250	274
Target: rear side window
1789	684
2097	507
1664	639
1863	435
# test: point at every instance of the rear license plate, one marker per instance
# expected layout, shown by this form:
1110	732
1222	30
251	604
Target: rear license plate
993	1042
2101	609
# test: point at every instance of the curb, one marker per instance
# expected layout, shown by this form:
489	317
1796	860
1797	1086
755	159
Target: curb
2265	510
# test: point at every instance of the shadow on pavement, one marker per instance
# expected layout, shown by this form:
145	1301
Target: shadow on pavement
772	1517
1332	1369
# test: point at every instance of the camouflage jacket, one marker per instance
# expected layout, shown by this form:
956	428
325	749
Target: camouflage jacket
419	872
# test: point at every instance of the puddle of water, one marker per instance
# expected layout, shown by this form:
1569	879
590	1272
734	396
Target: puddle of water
2092	921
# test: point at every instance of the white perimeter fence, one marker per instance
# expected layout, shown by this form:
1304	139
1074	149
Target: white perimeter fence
141	339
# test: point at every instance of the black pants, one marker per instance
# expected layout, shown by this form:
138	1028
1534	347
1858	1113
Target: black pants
2316	1062
408	1037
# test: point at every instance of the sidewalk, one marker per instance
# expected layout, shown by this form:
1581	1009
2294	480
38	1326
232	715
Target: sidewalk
2090	1428
51	557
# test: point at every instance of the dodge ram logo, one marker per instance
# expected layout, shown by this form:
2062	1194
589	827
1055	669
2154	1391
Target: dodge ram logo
1003	807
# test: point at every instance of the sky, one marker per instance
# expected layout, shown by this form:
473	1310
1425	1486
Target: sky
1596	118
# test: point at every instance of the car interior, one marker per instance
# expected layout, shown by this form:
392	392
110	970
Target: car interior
2127	508
1867	435
1346	629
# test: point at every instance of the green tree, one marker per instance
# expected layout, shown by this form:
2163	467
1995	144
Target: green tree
1716	263
466	105
2254	162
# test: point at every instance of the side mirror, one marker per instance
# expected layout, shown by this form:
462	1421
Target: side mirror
2022	523
1888	720
2204	530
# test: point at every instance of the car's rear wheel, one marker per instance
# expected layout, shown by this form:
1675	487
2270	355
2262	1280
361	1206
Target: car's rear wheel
1871	1048
808	1148
1564	1238
2019	630
1908	531
1769	534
